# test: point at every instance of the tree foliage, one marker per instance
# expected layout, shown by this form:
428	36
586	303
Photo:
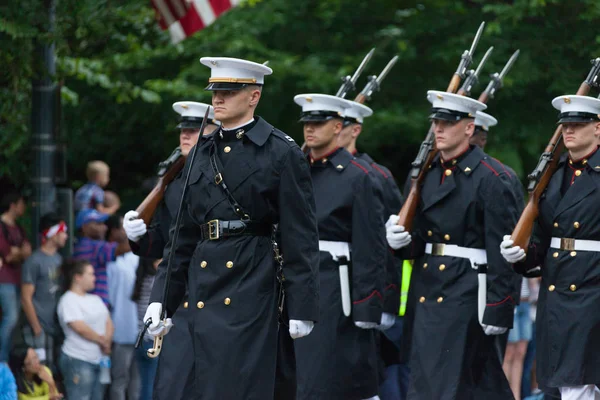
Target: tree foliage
119	73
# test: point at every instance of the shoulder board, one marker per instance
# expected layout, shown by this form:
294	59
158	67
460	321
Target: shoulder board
286	138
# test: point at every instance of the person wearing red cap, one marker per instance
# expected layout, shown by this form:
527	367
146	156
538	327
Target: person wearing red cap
39	288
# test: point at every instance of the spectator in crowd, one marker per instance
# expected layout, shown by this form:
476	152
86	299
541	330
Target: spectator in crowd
91	246
88	331
141	295
40	289
121	280
14	249
111	200
8	386
518	338
34	380
91	195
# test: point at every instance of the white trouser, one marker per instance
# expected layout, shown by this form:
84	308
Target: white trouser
586	392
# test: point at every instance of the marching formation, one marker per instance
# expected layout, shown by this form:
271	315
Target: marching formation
282	265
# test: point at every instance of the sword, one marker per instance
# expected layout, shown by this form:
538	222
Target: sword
157	347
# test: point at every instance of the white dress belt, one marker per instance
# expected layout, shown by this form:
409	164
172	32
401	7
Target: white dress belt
340	249
574	244
336	249
476	256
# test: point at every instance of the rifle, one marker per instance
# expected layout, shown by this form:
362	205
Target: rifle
348	83
547	165
167	171
375	82
473	75
427	150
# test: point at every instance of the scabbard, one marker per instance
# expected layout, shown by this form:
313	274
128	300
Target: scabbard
481	291
345	285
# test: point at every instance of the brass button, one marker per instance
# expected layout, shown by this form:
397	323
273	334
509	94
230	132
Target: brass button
185	305
203	264
200	304
447	237
442	267
227	149
551	288
429	233
573	253
422	300
576	225
448	172
573	288
424	265
577	173
440	299
227	301
556	224
239	134
555	255
229	264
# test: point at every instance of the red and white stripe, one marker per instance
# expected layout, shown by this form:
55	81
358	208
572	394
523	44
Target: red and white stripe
54	229
184	17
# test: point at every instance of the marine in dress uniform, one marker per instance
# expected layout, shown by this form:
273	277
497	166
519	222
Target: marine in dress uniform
466	205
151	243
246	177
338	361
565	250
389	347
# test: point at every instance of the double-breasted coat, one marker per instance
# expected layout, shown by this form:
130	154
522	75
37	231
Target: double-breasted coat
468	202
568	316
232	281
338	360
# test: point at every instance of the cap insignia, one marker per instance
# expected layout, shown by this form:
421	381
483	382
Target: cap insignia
567	100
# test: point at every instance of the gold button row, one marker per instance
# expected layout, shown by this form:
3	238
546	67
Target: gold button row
572	254
552	288
576	225
446	236
422	299
229	264
200	304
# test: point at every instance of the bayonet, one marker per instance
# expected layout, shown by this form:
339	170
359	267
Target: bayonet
497	79
374	83
473	75
465	61
349	82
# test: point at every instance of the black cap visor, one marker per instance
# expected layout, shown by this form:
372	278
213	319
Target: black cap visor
228	86
318	116
448	115
577	117
190	123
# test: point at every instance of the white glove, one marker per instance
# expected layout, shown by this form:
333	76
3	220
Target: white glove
511	253
134	227
157	327
300	329
365	325
397	237
387	321
392	220
493	330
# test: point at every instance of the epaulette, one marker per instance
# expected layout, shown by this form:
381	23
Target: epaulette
286	138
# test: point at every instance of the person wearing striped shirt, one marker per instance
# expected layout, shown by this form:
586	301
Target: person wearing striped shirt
92	246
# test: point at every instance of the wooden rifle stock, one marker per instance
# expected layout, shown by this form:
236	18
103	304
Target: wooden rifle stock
547	166
483	97
148	207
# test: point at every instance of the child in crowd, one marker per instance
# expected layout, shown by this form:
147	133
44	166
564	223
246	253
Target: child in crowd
91	195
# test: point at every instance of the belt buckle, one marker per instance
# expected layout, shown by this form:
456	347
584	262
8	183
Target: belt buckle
567	244
438	249
213	229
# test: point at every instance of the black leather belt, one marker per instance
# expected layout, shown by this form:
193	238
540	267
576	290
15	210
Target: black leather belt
217	229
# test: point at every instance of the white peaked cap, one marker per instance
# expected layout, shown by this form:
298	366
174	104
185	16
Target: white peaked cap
357	111
235	70
454	102
485	120
193	109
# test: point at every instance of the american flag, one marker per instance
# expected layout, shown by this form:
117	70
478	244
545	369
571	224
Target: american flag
184	17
